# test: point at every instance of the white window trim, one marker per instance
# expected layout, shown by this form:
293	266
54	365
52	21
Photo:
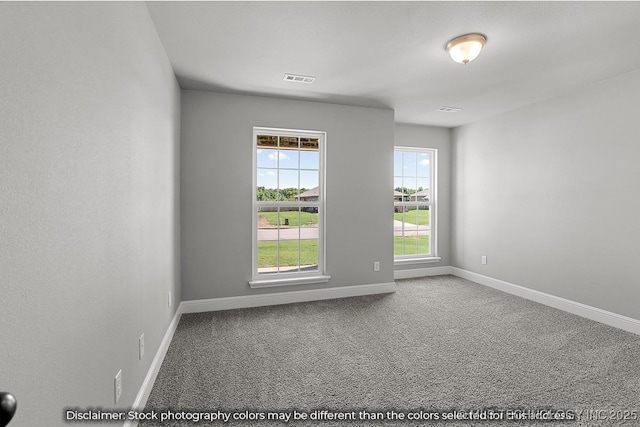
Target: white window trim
433	207
291	278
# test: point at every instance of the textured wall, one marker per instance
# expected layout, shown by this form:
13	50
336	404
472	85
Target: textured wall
216	188
88	214
549	194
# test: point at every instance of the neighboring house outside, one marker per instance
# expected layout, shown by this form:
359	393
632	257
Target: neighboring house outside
312	195
399	197
421	196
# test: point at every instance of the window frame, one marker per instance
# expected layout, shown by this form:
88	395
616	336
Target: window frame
432	204
260	280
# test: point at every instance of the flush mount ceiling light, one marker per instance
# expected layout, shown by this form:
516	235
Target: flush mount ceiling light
466	48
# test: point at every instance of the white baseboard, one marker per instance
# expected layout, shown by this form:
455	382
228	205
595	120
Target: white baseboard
421	272
246	301
152	373
608	318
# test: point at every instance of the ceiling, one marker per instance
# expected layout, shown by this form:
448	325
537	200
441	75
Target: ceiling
391	54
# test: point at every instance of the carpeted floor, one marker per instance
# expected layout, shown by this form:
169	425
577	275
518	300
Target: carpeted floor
440	346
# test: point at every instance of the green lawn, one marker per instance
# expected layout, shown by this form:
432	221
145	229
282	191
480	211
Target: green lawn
306	218
268	253
411	245
416	216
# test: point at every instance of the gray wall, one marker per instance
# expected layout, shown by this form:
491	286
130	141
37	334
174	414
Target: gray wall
407	135
216	188
549	193
88	213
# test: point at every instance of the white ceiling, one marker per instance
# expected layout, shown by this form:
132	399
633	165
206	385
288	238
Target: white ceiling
391	54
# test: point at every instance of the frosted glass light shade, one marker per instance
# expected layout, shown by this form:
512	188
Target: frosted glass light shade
465	49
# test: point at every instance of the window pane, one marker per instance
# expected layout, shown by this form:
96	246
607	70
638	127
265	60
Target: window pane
309	144
409	160
423	188
310	180
423	194
267	158
287	239
267	240
397	183
288	185
288	159
411	219
266	182
412	231
424	230
424	164
309	255
289	217
397	163
309	239
289	142
267	141
410	186
310	160
397	231
424	216
309	220
288	244
405	240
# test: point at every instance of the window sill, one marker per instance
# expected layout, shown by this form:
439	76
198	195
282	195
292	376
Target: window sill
292	281
407	261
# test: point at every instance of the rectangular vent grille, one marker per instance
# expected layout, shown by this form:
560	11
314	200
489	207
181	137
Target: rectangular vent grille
446	109
298	78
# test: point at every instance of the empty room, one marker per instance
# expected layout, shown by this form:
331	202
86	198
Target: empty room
319	213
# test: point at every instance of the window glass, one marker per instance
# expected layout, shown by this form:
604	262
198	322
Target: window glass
414	203
288	203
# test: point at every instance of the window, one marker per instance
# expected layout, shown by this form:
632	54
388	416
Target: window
288	213
414	217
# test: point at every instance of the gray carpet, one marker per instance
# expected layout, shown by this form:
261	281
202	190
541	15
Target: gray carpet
440	344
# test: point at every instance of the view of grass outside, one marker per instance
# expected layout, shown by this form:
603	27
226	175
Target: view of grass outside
268	253
293	243
411	245
413	241
416	216
305	218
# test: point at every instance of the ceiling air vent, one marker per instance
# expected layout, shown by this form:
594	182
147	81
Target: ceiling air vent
446	109
298	78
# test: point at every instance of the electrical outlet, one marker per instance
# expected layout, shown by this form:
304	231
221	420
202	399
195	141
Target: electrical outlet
141	346
117	386
484	259
169	299
376	265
